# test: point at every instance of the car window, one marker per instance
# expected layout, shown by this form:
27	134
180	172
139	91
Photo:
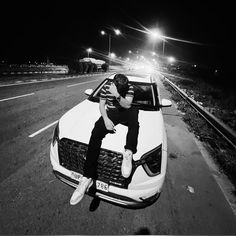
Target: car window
145	95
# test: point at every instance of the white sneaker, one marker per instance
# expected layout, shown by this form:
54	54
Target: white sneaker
126	166
79	192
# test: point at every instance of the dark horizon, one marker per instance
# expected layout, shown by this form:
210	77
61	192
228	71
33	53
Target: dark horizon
63	31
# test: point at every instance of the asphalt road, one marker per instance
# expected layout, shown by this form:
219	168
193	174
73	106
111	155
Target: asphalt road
33	201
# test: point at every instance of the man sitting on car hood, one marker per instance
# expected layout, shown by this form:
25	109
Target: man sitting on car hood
115	107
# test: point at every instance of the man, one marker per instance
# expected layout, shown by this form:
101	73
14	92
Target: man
115	107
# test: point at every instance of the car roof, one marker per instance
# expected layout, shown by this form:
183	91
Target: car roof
143	78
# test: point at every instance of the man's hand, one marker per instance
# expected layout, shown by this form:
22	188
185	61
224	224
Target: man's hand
113	90
109	124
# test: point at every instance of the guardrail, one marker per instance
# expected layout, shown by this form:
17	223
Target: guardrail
218	125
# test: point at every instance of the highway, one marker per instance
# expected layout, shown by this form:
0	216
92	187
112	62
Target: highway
33	201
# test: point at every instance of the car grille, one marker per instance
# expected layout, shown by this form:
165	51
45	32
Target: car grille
72	155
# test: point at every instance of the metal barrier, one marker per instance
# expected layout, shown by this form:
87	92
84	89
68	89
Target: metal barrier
218	125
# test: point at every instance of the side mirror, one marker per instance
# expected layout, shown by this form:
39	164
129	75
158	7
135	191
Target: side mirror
166	103
88	92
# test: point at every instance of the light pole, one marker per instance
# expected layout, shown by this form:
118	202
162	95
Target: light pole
109	41
156	34
109	46
163	47
89	50
117	32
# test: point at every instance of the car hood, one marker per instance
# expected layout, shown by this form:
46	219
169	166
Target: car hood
78	123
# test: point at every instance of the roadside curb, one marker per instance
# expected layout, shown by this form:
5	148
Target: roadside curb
32	81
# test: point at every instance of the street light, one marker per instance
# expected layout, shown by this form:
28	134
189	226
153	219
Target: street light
113	55
117	32
142	57
89	50
156	34
171	59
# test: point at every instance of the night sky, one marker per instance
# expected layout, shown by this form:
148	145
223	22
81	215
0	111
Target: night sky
31	31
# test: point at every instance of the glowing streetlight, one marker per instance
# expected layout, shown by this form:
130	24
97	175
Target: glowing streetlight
130	51
171	59
117	31
155	34
89	50
113	55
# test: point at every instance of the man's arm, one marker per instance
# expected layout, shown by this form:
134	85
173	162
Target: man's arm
108	123
124	102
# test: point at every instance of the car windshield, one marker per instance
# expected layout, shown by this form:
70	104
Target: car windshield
145	95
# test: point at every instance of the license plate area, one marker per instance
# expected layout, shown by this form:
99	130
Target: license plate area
102	186
76	176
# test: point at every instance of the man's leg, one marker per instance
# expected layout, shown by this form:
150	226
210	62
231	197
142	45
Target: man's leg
133	129
131	117
90	167
97	135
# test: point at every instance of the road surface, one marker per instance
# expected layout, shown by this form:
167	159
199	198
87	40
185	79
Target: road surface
33	201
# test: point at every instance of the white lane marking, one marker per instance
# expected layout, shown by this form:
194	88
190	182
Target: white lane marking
72	85
25	95
41	130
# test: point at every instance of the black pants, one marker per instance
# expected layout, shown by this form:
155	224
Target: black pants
130	118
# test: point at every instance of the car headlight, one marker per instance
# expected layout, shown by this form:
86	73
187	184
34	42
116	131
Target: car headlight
151	161
55	134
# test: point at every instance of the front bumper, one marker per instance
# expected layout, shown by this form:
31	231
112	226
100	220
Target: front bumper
108	196
130	198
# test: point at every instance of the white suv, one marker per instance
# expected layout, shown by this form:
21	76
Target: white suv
72	134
